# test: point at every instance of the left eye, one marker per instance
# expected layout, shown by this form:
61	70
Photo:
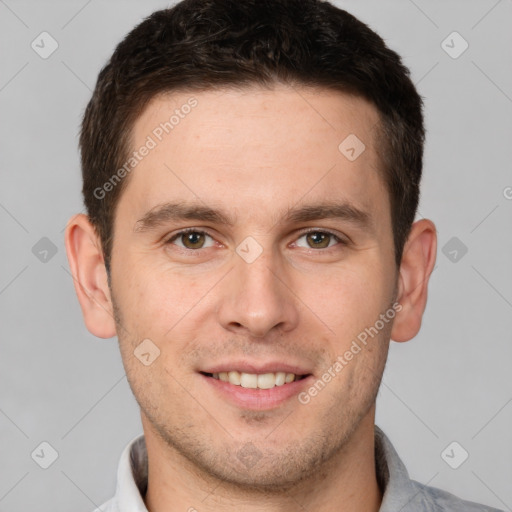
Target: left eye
319	239
191	239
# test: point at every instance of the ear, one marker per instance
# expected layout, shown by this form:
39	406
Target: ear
87	266
418	259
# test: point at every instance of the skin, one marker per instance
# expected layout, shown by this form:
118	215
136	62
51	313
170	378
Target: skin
255	154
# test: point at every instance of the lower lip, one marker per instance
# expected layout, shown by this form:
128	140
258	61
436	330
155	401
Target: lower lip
258	399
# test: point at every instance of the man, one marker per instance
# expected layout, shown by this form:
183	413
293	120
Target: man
251	176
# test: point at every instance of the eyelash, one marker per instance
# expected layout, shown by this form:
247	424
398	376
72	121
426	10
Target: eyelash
302	233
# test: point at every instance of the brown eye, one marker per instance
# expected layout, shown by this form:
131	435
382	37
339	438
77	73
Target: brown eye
193	240
190	239
319	240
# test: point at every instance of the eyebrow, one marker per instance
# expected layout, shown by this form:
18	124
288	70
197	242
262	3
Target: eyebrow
179	211
169	212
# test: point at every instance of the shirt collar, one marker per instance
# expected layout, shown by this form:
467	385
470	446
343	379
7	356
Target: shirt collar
398	489
132	477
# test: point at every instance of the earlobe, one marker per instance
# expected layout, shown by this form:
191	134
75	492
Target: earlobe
418	260
87	267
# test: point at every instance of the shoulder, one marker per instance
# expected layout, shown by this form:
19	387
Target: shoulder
437	500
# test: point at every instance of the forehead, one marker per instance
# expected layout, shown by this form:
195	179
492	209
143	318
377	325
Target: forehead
256	147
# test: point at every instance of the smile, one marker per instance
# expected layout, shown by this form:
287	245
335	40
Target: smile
254	380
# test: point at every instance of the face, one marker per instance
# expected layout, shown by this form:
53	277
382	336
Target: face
287	259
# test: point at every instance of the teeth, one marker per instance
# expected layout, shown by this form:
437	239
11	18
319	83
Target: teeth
253	380
267	380
281	378
233	378
249	380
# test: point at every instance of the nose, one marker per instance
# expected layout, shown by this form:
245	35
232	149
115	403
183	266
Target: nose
257	298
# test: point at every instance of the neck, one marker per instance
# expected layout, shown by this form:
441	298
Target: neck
347	481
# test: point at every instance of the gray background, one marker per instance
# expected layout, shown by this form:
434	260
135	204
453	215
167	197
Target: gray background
60	384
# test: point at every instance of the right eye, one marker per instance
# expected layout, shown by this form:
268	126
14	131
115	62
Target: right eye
190	238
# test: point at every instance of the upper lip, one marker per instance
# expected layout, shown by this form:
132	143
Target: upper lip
260	368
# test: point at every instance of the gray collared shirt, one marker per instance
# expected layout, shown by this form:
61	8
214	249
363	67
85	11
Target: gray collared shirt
401	494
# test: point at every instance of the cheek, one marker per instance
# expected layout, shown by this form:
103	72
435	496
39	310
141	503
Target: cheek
154	300
348	300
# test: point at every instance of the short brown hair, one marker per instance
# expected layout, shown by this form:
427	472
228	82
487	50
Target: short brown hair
204	44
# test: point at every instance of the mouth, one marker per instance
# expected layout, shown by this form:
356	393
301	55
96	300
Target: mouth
256	385
267	380
256	391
